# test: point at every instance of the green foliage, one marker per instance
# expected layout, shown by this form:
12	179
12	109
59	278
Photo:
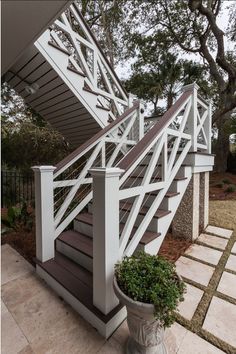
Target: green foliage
226	181
231	188
18	217
220	185
153	280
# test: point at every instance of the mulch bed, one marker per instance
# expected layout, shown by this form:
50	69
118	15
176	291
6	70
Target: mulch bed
172	248
219	192
22	241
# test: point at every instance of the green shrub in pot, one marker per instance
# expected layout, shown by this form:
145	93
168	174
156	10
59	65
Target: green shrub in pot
148	283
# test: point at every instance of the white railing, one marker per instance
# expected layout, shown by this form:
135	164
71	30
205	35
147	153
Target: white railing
72	183
185	127
71	34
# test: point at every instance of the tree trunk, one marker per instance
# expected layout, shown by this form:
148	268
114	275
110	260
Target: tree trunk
222	146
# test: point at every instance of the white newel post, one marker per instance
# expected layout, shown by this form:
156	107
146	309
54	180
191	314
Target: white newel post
44	212
192	122
105	235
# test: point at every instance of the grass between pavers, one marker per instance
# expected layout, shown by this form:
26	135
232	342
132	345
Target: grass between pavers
221	215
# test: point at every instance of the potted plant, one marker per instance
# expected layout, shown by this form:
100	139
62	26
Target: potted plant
150	289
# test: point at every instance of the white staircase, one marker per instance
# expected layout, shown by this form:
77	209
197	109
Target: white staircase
120	189
77	91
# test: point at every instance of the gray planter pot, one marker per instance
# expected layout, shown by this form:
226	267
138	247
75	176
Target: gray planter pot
146	334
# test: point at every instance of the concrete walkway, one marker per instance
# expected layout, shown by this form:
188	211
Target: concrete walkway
36	320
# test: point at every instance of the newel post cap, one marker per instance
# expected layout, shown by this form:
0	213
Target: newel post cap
106	172
190	87
43	169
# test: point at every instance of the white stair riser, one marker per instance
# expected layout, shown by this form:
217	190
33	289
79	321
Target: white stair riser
76	256
83	228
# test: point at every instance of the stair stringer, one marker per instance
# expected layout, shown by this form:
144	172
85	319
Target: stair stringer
164	223
59	62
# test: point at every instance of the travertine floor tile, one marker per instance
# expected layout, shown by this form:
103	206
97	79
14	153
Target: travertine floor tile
13	340
219	231
191	301
122	333
213	241
193	270
193	344
26	350
174	337
13	264
204	254
220	320
3	308
234	248
231	263
227	285
112	347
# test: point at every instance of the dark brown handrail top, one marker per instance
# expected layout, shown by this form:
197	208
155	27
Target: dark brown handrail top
132	156
97	136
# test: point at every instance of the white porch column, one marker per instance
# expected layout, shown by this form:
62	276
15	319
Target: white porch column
105	235
204	201
44	212
192	122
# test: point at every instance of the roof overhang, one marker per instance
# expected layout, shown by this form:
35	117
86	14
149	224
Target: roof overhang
22	22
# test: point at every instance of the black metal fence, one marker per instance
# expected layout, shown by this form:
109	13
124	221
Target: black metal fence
16	187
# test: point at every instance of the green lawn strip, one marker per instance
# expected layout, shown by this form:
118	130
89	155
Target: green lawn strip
195	325
225	297
217	342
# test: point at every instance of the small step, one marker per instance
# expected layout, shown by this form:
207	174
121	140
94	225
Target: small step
90	91
76	71
104	108
160	213
168	194
159	178
77	281
54	45
148	236
78	241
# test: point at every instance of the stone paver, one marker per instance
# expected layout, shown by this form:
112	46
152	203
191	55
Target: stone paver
191	300
3	308
193	270
204	254
219	231
214	241
234	248
192	344
227	285
174	337
220	320
231	263
13	265
13	340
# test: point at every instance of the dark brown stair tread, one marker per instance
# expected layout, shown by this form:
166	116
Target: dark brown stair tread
90	91
171	194
75	286
159	213
76	71
79	272
159	178
147	237
104	108
78	241
52	44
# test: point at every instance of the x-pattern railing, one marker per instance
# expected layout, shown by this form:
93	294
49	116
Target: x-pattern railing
72	183
86	57
167	144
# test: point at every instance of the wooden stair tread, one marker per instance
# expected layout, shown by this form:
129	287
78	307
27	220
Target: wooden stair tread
74	284
78	241
90	91
76	71
159	178
159	213
104	108
147	237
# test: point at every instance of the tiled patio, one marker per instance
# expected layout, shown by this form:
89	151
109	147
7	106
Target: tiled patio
36	320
